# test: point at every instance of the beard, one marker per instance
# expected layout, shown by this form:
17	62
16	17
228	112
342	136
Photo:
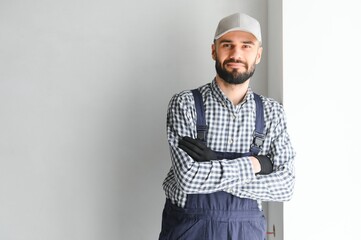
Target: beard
234	77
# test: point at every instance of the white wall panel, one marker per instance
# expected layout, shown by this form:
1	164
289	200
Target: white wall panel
321	79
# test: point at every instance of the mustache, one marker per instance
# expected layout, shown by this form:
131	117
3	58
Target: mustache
234	61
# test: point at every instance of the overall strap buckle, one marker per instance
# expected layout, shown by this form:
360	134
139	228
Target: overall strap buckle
202	132
258	139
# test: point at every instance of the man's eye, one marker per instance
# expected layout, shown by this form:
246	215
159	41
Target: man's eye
226	45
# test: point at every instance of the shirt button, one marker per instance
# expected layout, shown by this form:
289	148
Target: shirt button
230	141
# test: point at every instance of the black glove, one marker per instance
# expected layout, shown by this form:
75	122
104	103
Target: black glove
266	164
196	149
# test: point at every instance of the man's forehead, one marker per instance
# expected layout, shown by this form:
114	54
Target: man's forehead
238	36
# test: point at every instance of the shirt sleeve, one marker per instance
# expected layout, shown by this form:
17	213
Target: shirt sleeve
279	185
199	177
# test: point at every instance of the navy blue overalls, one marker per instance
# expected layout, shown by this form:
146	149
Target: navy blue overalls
219	215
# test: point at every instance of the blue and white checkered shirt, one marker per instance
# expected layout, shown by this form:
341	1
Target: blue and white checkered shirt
230	129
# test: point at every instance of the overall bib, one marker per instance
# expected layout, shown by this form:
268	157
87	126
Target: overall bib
219	215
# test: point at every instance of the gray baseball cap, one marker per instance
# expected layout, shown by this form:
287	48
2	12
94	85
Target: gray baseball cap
240	22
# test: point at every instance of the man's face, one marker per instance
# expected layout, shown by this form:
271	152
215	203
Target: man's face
236	54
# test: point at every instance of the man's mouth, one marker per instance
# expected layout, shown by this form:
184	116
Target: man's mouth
236	65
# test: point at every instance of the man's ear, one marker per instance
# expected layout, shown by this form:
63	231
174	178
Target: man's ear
259	55
214	51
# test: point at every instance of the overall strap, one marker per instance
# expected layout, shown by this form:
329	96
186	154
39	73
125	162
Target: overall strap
201	120
258	135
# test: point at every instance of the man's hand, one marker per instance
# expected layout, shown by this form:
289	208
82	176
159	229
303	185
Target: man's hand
266	165
196	149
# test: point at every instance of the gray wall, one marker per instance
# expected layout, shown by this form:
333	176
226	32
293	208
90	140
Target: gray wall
275	90
84	87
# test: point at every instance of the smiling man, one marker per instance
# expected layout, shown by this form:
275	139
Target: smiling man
229	146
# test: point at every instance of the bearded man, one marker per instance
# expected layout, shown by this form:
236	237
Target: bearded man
229	147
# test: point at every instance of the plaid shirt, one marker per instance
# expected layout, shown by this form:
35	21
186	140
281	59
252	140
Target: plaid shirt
230	129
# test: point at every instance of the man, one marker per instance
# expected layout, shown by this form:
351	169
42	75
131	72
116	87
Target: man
229	147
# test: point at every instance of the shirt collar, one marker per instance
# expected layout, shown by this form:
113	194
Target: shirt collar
217	92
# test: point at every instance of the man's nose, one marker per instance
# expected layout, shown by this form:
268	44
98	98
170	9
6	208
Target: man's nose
236	54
